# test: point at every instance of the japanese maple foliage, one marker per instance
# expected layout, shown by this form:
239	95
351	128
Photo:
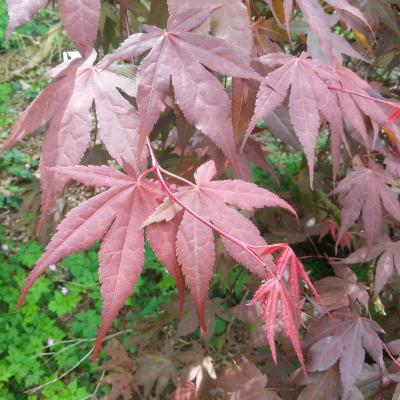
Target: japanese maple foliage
80	18
66	105
217	91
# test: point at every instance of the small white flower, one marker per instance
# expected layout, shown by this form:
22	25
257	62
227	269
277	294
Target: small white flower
50	342
64	290
4	247
53	267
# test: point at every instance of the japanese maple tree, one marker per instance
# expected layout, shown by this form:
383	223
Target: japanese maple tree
202	91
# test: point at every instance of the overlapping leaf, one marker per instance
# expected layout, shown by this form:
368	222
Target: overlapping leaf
357	109
156	369
380	11
388	254
307	79
279	297
245	382
184	58
185	391
121	373
229	21
275	298
319	21
336	290
310	82
332	227
115	217
199	366
243	103
189	322
322	386
251	315
366	192
66	106
195	243
345	337
79	17
348	11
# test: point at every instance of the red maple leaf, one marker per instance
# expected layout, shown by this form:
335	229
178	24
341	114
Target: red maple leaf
115	217
330	226
366	191
307	79
66	105
272	294
229	21
195	243
244	381
276	296
344	338
388	254
180	56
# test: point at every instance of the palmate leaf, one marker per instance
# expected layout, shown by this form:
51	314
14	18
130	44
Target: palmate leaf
195	242
307	79
388	255
115	217
156	369
182	57
66	106
198	366
245	382
275	298
318	20
344	338
336	290
366	192
380	11
229	21
121	373
357	109
322	386
278	297
316	95
251	316
79	17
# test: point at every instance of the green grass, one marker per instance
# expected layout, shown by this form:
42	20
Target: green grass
63	304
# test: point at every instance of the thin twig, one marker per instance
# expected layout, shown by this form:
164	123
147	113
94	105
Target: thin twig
77	342
364	96
34	390
158	170
97	387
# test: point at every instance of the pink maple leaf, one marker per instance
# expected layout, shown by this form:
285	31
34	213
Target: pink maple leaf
79	17
184	58
307	79
366	192
115	217
195	243
66	105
